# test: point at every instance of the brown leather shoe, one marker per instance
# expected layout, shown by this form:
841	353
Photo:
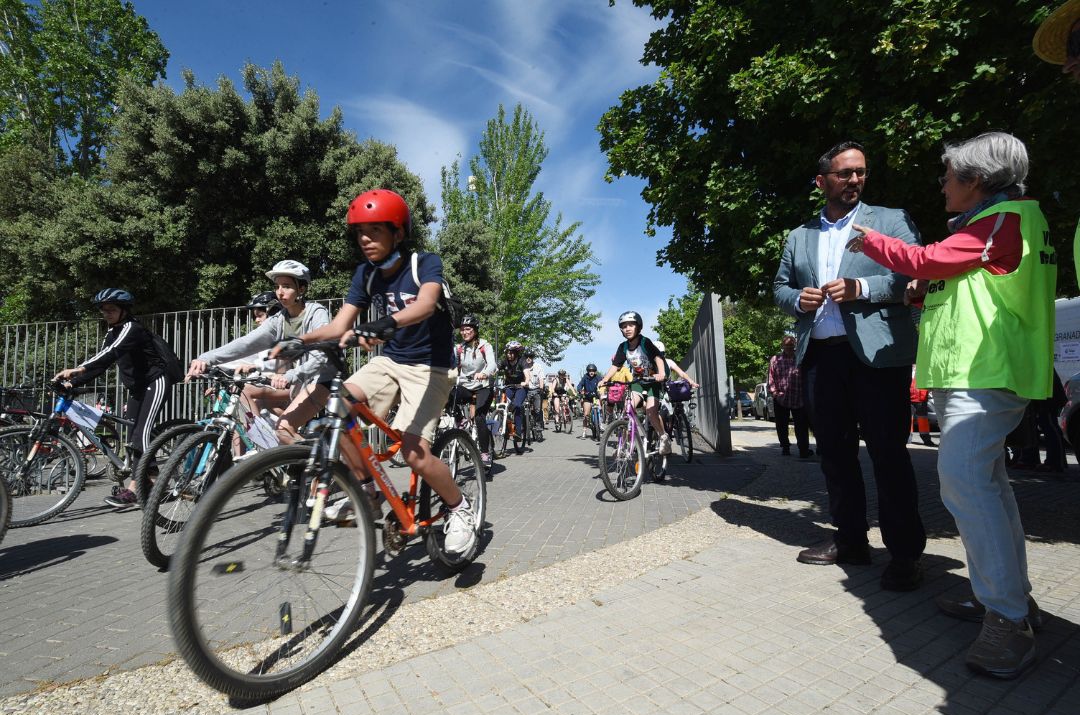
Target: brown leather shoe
829	554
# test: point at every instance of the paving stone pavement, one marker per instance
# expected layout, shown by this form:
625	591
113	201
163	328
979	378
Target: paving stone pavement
707	613
80	600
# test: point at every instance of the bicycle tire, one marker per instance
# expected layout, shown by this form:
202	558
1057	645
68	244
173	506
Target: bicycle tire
51	482
97	464
622	461
5	509
594	424
190	470
657	462
157	454
246	621
460	453
682	437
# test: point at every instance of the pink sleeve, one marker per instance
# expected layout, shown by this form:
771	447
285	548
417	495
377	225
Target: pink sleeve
956	255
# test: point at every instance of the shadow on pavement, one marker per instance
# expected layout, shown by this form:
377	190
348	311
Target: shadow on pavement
919	636
22	559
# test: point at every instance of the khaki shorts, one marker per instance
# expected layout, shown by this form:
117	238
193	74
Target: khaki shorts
421	389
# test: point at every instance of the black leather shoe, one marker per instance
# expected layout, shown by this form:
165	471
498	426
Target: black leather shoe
829	554
806	454
785	451
902	575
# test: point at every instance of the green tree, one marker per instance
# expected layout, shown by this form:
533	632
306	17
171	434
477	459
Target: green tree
539	273
204	190
751	93
62	63
752	332
675	324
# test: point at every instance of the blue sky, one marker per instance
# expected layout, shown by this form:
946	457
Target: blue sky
426	76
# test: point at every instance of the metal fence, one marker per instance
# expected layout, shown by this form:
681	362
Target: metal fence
708	366
34	352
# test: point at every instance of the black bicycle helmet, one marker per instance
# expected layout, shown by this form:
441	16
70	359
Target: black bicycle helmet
267	300
470	321
119	296
631	316
591	367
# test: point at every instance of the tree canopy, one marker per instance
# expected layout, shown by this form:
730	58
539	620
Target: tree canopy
752	332
204	190
675	324
62	63
751	93
526	275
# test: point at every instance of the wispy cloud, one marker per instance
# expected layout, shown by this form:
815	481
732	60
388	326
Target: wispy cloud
426	140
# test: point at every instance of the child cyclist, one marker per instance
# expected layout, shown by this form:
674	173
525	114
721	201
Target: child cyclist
476	372
416	362
142	371
589	389
644	360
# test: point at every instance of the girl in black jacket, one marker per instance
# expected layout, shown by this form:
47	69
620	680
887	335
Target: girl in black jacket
142	371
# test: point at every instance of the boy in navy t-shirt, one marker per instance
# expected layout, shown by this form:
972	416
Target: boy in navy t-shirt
419	345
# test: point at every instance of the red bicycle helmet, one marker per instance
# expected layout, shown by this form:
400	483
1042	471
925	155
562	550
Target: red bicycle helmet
380	206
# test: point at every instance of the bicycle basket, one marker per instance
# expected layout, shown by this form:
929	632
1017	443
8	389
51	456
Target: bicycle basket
679	390
616	391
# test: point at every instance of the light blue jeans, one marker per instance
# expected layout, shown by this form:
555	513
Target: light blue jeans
975	489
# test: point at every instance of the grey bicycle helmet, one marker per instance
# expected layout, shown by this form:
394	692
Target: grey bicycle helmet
591	367
513	346
119	296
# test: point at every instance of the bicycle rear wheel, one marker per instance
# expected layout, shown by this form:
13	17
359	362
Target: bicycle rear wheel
459	452
252	616
190	470
157	454
681	437
622	461
45	486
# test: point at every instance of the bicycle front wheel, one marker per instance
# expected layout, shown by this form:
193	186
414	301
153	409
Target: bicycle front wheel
459	452
42	486
5	509
190	470
157	454
622	461
253	612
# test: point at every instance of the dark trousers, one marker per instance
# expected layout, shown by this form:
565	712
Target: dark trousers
802	429
848	399
142	408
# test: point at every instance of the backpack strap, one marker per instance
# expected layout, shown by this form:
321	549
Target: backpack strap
370	279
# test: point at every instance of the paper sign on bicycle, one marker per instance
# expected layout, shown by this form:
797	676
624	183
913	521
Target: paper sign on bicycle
83	414
261	433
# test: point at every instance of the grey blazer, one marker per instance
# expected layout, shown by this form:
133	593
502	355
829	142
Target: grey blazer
880	328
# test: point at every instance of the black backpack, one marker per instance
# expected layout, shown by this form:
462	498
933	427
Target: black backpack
174	369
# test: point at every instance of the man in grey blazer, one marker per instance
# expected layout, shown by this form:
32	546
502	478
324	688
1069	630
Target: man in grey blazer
856	345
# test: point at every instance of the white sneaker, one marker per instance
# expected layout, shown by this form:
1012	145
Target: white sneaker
460	530
665	444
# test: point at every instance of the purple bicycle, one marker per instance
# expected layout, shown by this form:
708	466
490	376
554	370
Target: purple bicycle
626	447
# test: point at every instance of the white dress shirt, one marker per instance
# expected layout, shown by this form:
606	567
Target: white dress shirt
828	322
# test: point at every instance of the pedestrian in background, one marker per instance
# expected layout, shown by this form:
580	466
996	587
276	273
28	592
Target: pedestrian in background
786	386
856	343
920	411
985	349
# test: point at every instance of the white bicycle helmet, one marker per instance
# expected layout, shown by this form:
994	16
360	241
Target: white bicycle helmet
289	267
